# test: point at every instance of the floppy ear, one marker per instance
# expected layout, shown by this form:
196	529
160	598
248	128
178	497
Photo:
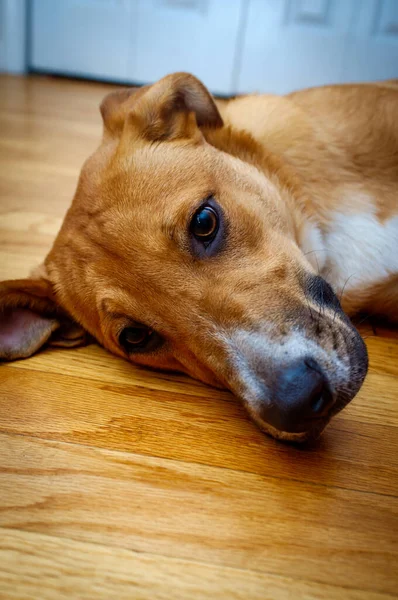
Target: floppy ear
115	107
30	318
174	107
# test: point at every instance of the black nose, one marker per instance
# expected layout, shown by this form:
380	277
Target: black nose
301	394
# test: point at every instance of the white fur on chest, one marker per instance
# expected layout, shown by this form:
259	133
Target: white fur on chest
360	250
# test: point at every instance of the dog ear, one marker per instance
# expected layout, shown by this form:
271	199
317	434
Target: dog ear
115	107
30	318
174	107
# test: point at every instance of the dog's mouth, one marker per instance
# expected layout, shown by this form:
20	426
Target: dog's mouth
301	430
292	388
298	429
310	434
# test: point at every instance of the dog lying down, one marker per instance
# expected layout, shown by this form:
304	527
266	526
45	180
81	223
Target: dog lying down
217	238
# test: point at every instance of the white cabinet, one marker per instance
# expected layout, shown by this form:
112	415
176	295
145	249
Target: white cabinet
82	37
198	36
12	36
372	49
234	46
137	40
292	44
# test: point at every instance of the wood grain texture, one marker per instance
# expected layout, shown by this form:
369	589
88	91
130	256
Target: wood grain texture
65	569
196	512
206	430
116	481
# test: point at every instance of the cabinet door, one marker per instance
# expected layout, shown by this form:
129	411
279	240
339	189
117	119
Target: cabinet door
372	51
83	37
199	36
291	44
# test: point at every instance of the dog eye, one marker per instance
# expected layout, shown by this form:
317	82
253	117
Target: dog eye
205	223
134	339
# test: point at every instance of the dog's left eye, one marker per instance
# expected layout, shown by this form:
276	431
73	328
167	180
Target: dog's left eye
204	224
135	339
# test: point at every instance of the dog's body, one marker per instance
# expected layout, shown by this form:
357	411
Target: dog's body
197	236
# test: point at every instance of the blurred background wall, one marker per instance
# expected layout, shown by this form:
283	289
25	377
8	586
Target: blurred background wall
234	46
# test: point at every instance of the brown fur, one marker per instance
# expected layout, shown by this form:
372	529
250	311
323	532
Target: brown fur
277	164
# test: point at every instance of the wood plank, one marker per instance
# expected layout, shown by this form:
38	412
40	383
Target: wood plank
97	364
42	567
157	418
200	513
93	362
20	263
32	223
375	403
386	331
383	355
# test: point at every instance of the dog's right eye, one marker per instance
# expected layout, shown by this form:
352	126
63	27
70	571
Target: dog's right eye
207	229
204	225
138	339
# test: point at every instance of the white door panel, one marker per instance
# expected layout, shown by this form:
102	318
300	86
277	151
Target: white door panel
84	37
372	50
292	44
199	36
137	40
232	45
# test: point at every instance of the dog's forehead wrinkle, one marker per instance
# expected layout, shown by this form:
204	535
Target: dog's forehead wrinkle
187	166
176	162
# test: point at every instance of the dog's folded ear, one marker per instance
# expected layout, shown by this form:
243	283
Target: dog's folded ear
174	107
116	106
31	318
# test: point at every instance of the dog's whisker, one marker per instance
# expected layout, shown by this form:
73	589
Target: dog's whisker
319	250
309	307
366	318
362	320
342	293
317	264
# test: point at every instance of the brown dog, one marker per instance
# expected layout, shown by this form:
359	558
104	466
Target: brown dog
201	239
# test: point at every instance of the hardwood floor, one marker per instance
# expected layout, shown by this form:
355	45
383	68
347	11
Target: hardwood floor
120	482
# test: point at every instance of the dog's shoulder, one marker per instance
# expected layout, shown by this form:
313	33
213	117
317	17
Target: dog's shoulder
350	106
273	120
325	113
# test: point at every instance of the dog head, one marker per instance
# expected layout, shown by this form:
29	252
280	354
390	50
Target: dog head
181	252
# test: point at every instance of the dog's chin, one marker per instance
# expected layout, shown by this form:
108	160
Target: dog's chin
294	437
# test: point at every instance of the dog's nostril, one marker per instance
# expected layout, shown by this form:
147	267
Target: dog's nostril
312	364
319	397
318	402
